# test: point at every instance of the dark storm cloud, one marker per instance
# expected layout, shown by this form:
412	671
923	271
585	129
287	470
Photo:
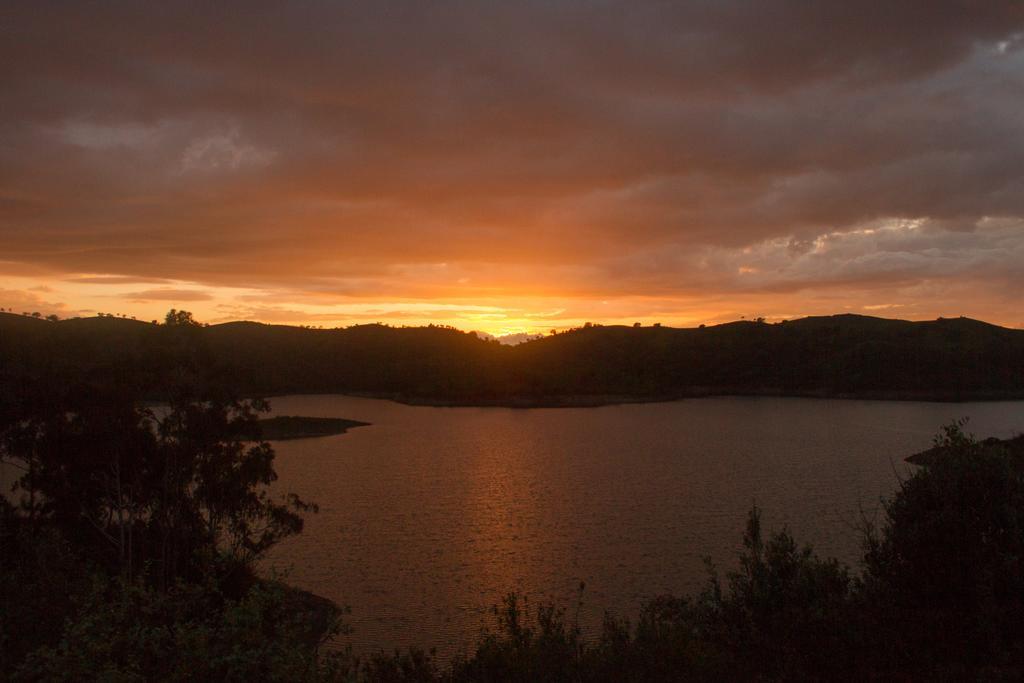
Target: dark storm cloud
606	147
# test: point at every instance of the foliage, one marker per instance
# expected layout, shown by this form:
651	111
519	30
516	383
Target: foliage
782	615
131	533
39	575
179	318
129	557
544	648
164	490
786	611
191	632
946	572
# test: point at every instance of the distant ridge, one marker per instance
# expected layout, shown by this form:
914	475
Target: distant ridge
508	339
843	356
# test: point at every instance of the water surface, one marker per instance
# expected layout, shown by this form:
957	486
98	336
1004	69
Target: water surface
430	515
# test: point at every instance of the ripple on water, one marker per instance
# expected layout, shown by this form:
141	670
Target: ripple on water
428	516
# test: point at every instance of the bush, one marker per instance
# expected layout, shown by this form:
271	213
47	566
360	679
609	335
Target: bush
945	575
190	633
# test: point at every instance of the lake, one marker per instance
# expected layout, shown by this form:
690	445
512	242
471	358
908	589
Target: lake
428	516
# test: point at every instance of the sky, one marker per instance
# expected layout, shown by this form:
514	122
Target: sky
513	167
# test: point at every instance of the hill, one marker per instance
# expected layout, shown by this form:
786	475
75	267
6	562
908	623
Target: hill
838	356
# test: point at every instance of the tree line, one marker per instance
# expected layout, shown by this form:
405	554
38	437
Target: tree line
843	356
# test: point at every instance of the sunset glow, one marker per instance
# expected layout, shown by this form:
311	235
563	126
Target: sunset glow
525	168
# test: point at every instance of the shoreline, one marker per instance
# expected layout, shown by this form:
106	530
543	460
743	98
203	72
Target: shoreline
1014	446
287	427
601	400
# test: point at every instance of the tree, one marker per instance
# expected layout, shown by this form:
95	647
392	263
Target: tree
786	614
176	490
179	318
945	574
217	471
137	527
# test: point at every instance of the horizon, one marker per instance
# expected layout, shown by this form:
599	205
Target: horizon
514	169
510	339
372	314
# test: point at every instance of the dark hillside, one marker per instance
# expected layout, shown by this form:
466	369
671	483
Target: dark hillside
834	356
843	356
427	361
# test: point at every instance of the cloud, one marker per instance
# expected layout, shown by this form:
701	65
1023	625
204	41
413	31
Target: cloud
167	295
105	136
114	280
223	151
561	150
22	301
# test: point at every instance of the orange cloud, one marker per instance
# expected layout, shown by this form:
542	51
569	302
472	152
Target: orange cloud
682	162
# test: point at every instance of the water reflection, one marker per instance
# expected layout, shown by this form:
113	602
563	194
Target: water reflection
431	514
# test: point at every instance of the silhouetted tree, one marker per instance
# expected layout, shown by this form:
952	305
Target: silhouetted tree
179	318
170	489
945	574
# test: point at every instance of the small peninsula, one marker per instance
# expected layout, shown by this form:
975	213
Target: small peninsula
295	427
1014	447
